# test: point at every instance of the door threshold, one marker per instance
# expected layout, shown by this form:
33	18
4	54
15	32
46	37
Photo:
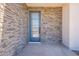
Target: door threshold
34	42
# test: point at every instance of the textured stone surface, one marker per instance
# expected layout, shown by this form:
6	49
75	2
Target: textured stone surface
14	36
51	23
14	26
1	27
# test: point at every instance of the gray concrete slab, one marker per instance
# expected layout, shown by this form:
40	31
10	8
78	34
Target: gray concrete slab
38	49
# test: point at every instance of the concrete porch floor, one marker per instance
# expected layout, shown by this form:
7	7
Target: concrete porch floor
38	49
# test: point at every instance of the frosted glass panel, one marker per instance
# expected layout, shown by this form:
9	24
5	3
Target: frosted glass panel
35	24
35	19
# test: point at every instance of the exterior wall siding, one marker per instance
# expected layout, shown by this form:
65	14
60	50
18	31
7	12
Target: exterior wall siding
14	26
51	24
14	36
1	26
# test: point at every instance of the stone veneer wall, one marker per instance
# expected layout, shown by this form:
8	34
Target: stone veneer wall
1	25
13	19
51	23
14	26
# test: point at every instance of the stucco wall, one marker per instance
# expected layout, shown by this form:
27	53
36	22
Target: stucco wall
74	26
65	25
14	31
51	23
70	28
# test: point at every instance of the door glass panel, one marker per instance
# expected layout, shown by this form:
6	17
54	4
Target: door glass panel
35	24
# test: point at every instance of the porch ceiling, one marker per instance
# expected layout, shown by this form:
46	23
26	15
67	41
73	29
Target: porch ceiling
44	4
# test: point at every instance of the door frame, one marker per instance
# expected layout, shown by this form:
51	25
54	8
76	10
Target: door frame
30	25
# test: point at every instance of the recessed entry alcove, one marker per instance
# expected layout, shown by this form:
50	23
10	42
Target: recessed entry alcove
26	28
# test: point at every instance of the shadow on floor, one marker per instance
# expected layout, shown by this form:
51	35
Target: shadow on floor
39	49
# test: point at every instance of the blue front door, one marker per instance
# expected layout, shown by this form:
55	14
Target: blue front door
34	26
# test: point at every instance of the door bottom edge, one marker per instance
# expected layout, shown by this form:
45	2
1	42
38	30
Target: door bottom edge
34	42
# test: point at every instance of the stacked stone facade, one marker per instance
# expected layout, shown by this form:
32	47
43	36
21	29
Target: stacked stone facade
14	31
14	26
51	24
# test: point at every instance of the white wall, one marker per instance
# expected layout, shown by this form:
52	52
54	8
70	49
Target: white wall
74	26
70	26
65	25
